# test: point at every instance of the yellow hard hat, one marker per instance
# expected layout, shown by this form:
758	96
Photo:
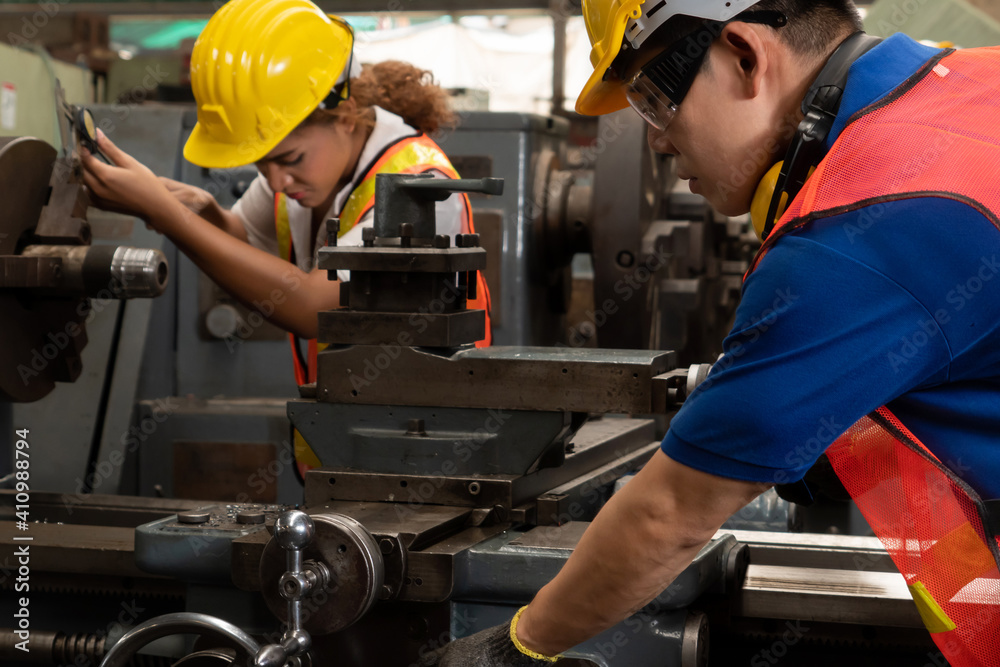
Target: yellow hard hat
610	22
258	69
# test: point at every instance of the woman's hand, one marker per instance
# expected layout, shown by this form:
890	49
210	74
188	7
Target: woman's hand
124	186
196	199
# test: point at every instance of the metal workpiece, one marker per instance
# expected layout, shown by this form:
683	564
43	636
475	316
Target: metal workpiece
208	627
325	583
104	271
410	198
139	272
510	378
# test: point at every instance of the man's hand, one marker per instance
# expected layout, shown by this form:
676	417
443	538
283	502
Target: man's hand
492	647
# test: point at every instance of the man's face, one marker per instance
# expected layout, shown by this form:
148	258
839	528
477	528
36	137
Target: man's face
723	138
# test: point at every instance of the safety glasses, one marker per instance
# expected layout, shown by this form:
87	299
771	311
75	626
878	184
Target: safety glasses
658	88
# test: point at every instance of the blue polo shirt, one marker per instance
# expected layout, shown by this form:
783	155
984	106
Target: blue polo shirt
897	305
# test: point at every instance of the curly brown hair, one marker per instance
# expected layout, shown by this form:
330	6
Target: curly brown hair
405	90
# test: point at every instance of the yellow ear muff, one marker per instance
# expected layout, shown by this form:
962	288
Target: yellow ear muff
762	200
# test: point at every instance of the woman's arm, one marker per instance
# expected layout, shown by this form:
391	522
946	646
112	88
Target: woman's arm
278	290
202	203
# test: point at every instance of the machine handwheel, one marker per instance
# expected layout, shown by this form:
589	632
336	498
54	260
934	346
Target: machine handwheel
185	623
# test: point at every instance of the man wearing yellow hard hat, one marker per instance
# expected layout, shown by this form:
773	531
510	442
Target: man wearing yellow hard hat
869	326
277	83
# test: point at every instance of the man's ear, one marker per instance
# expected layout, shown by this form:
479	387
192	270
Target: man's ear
744	51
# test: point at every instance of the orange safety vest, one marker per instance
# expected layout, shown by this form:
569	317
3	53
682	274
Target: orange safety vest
929	137
410	155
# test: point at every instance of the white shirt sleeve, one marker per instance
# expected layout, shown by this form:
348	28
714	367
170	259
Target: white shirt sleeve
256	210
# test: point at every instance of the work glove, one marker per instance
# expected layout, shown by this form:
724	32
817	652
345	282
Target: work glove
493	647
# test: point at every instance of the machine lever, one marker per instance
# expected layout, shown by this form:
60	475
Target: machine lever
293	531
441	188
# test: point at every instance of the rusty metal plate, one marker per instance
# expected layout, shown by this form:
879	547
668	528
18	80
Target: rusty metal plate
510	378
225	470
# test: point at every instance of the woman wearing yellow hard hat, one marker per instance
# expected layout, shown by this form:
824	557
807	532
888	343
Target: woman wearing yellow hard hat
277	84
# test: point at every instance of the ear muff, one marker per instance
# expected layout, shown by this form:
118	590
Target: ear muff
762	200
766	191
783	181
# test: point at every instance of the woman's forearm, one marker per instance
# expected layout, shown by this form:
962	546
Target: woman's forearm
281	292
225	220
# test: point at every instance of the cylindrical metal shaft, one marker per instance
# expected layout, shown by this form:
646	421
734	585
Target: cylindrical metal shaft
108	272
51	648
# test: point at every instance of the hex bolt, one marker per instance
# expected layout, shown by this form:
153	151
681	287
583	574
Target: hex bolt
473	241
368	236
442	242
386	546
332	231
406	235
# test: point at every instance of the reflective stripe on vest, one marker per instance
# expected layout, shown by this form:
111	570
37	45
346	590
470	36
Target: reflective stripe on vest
410	155
932	136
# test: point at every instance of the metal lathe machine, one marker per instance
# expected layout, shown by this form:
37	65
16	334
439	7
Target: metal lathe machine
167	521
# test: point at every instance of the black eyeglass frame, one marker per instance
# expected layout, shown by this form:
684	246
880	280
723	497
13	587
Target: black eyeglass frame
342	91
673	71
